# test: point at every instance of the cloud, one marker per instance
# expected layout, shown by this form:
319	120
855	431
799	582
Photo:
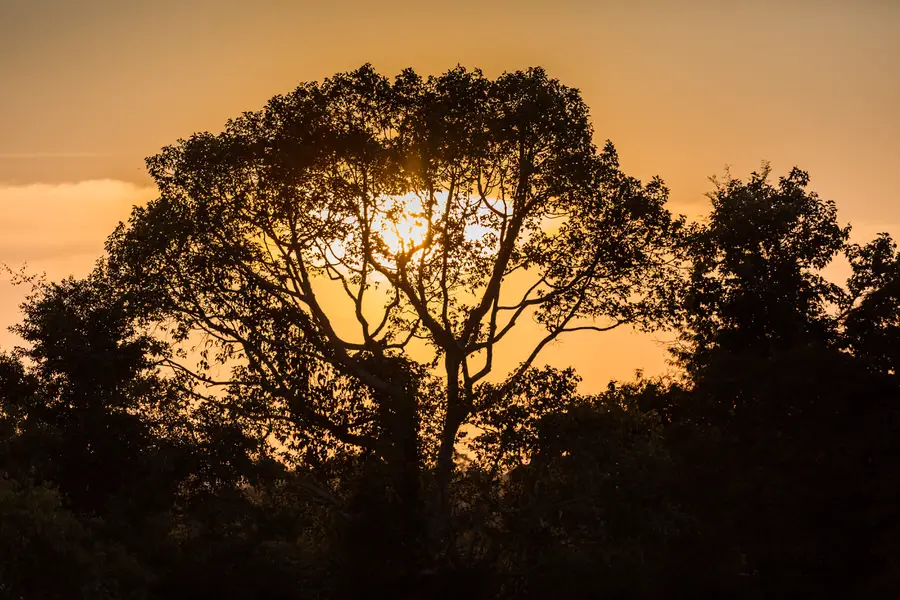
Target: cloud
44	222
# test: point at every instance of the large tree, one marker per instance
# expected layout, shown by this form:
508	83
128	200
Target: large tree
443	210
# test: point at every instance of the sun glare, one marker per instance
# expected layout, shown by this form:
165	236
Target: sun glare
402	226
405	224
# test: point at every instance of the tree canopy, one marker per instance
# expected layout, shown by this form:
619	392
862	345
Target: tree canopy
499	180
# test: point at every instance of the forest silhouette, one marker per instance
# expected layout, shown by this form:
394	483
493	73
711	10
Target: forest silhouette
196	419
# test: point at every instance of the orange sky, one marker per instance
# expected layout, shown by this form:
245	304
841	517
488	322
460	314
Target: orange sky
88	88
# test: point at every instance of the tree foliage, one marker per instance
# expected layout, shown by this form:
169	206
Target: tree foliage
755	284
503	183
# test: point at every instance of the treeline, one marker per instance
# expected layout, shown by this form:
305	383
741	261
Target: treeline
189	422
767	467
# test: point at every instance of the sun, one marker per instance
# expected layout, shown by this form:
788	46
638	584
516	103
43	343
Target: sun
404	223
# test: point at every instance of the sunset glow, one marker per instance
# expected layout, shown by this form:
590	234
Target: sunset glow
506	300
682	89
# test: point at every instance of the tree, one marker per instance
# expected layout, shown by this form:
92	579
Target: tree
88	409
789	396
755	285
587	505
109	473
871	307
420	200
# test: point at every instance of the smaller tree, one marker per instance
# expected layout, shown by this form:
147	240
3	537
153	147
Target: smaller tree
871	308
797	432
755	284
88	411
585	503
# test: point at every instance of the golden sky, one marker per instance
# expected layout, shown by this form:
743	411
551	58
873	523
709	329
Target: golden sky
88	88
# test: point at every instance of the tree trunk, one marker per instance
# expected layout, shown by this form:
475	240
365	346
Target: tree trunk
452	421
402	457
440	530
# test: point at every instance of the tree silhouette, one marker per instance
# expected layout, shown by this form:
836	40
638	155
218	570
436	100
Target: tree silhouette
797	430
89	411
499	178
755	285
591	512
871	308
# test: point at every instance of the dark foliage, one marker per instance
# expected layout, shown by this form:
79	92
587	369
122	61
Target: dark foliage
188	422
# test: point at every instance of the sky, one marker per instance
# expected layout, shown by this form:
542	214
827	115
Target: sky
89	88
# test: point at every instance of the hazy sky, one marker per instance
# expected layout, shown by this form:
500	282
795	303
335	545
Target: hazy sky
89	88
